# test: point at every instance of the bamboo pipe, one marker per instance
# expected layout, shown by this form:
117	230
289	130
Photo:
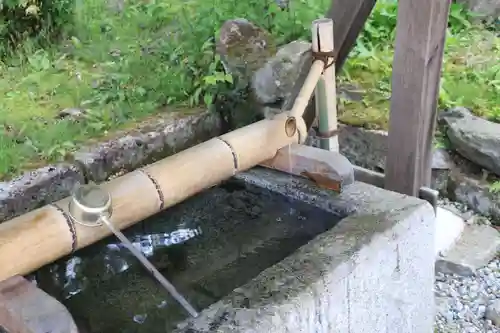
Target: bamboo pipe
326	95
34	239
307	90
42	236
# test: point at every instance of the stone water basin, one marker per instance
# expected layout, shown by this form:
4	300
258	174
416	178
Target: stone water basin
206	246
263	252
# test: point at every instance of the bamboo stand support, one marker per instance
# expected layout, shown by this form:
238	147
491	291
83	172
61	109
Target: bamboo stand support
307	89
326	95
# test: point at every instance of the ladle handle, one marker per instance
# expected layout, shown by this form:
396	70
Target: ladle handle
149	266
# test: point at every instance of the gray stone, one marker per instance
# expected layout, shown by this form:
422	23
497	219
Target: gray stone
477	246
467	186
350	92
368	148
274	81
449	227
244	48
485	9
151	142
365	148
474	138
441	159
37	188
73	113
283	4
493	312
116	6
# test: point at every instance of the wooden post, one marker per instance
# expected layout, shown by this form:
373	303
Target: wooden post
420	37
326	95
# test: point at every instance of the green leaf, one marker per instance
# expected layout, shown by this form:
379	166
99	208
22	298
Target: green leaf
208	99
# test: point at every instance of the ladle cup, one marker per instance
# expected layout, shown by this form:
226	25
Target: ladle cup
91	206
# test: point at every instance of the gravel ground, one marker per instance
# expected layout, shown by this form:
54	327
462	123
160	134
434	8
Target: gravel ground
462	302
468	304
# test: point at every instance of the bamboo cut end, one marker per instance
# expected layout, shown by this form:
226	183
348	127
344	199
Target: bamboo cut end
290	126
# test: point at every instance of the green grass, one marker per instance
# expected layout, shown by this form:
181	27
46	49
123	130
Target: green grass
121	67
159	55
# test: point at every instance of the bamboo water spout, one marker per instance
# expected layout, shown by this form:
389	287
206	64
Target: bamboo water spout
39	237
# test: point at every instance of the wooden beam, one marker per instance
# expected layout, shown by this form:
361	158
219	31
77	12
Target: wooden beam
420	37
349	17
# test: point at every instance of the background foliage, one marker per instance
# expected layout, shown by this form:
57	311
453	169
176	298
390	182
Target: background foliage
40	20
122	61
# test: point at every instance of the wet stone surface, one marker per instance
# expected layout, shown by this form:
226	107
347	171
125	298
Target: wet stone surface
161	139
207	246
37	188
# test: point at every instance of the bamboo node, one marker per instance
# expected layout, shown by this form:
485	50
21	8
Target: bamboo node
71	226
328	58
235	156
161	197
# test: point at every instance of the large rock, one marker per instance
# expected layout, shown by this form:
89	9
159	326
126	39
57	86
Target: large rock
485	9
477	246
368	148
467	185
474	138
244	48
274	81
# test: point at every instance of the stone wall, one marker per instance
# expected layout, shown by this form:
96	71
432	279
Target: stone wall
152	140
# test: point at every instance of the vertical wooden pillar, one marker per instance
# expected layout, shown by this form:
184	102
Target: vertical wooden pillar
420	38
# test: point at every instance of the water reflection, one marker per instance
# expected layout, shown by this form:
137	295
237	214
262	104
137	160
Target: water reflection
72	279
245	230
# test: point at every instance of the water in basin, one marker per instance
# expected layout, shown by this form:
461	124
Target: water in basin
206	246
